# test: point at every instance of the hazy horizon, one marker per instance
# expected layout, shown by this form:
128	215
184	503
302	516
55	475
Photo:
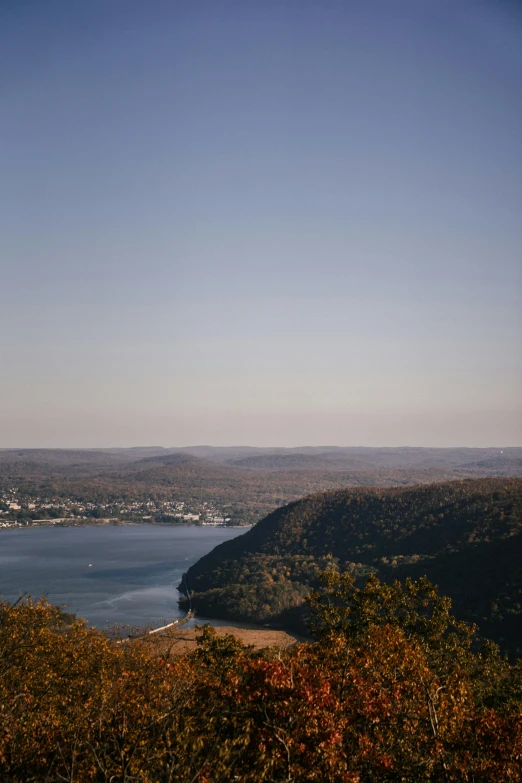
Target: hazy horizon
266	445
260	223
245	446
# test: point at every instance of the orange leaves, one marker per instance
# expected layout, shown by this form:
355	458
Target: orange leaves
382	705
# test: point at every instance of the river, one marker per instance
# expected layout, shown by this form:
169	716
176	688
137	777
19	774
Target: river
109	574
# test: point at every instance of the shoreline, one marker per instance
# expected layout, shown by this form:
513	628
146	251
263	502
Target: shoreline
8	525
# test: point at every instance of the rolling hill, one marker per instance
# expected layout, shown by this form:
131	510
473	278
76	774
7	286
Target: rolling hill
244	482
465	536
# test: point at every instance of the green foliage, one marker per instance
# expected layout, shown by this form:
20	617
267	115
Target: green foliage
341	607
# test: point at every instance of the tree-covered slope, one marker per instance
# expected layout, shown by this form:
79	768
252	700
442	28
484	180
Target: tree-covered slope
465	535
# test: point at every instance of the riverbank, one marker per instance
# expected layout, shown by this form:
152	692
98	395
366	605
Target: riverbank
72	522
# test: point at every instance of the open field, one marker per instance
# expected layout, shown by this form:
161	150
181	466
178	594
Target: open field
180	641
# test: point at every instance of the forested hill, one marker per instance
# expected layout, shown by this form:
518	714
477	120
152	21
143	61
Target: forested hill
464	535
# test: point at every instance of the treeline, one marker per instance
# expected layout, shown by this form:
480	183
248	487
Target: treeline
465	536
393	689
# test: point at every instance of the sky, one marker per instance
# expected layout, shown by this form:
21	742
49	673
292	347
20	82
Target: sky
260	222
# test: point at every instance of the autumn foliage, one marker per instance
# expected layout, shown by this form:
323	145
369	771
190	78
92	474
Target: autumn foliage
392	688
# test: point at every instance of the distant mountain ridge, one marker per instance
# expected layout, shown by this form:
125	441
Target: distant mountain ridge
322	461
244	483
257	457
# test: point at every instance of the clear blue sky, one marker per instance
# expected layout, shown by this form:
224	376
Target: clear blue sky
268	222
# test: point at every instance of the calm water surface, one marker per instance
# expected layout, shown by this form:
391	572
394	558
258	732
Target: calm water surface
126	575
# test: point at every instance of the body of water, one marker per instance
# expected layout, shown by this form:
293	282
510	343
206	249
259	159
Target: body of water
112	574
